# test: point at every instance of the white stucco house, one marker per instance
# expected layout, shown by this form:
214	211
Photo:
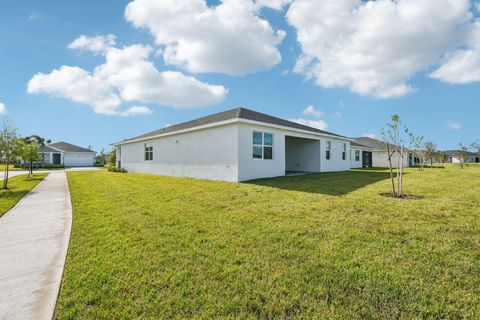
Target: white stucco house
374	153
234	145
69	155
454	158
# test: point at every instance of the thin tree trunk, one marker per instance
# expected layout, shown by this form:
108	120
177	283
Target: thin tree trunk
391	171
5	178
400	183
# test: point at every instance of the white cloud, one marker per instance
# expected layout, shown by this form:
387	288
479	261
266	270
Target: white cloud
126	75
454	125
77	85
274	4
97	44
337	114
319	124
3	108
135	110
369	135
228	38
462	66
310	110
374	47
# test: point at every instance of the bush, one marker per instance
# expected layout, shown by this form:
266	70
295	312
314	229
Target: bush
115	169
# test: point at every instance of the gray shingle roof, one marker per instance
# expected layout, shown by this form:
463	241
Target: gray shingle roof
47	149
355	144
238	113
453	153
371	143
67	147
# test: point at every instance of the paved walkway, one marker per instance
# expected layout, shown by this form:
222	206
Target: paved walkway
34	238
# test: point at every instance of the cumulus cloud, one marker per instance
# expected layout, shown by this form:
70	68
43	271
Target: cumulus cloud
462	66
126	76
3	108
319	124
454	125
229	38
135	110
97	44
374	47
310	110
77	85
274	4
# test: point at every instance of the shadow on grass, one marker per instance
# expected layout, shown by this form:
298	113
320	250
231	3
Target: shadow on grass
330	183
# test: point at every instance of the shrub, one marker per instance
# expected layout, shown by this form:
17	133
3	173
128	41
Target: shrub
115	169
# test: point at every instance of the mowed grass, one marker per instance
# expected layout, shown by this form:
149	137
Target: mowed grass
325	246
18	187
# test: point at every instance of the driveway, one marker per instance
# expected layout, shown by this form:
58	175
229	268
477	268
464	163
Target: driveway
34	238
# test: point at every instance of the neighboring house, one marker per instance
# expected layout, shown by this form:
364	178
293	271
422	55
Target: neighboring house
377	155
234	145
453	157
360	155
69	155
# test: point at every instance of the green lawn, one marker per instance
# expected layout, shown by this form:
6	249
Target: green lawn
18	186
323	246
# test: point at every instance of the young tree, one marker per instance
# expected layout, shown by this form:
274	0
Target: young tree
462	154
101	158
476	147
418	145
430	150
30	152
395	138
112	160
10	148
442	157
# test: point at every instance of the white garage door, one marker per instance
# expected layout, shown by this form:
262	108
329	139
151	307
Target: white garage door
80	159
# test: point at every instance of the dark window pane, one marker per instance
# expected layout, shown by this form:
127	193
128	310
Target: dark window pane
343	155
268	139
257	138
257	152
328	155
267	153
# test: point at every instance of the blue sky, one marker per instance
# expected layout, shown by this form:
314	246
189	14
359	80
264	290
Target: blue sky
433	89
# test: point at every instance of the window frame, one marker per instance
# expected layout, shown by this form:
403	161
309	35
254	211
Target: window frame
357	155
262	145
328	150
344	152
148	151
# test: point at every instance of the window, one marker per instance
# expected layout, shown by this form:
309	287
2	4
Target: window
344	152
148	152
357	155
328	150
262	145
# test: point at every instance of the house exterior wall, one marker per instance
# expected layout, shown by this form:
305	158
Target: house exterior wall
380	159
79	159
205	154
336	163
355	164
225	153
302	154
250	168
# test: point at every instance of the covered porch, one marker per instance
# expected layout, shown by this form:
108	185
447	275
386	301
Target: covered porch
302	155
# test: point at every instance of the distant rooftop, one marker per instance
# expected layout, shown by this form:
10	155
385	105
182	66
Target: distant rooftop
371	143
67	147
238	113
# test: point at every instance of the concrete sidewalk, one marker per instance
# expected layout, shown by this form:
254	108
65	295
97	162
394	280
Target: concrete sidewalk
34	238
